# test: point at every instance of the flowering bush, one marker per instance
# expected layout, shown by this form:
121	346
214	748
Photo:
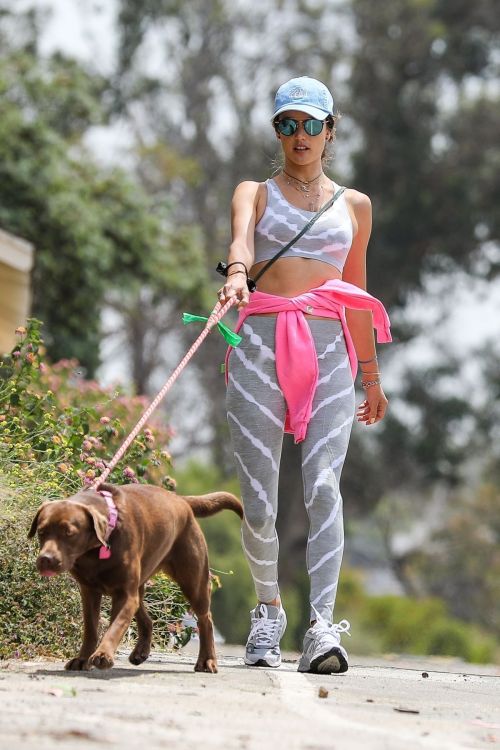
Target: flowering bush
57	431
51	415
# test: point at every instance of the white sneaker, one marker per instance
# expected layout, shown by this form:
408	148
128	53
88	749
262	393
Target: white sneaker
322	652
263	644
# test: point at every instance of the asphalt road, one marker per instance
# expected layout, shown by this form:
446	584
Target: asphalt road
385	704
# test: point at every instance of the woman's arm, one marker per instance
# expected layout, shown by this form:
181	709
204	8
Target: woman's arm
241	250
360	321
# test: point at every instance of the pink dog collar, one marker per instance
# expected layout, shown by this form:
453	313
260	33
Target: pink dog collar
105	550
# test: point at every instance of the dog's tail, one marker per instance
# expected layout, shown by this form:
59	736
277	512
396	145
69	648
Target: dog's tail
208	505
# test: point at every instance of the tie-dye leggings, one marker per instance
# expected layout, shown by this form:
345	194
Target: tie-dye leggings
256	414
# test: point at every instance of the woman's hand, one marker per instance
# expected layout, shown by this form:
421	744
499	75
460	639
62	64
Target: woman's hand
373	408
235	286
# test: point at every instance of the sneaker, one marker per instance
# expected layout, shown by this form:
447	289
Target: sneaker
322	652
263	644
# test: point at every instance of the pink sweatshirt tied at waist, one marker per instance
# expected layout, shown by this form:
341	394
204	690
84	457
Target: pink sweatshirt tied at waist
296	358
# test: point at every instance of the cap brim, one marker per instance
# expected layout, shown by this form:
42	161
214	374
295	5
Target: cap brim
318	114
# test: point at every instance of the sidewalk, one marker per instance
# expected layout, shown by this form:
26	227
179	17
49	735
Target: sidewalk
379	704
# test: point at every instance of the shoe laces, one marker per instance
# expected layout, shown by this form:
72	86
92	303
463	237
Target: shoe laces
324	630
264	629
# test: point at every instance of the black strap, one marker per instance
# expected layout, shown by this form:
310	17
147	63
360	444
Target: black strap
302	232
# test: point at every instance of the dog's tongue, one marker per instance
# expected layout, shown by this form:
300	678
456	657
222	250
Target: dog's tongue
48	573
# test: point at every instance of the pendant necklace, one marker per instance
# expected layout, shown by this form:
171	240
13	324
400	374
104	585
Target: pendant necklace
304	188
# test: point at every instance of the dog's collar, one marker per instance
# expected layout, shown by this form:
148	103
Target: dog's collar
105	550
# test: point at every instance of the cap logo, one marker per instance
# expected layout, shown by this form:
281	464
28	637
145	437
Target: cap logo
297	93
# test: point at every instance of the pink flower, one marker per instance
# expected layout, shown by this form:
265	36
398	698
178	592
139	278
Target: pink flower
128	472
16	354
105	420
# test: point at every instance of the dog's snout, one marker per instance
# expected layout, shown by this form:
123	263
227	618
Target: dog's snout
48	564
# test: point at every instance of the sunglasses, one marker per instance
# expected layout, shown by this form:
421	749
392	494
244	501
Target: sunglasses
289	126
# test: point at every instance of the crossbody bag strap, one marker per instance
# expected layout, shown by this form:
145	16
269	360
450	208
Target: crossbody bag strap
297	237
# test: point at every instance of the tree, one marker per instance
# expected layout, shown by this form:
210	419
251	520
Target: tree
427	145
98	235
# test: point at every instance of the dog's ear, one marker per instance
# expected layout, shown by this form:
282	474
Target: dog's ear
99	520
34	523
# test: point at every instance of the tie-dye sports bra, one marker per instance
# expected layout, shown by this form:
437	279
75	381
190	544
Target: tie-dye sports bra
328	240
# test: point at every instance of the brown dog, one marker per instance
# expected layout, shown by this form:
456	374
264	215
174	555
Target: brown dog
155	530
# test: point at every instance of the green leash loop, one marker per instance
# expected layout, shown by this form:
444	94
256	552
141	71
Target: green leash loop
229	336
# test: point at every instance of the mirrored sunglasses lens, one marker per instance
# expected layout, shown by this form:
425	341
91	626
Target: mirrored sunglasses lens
313	127
287	126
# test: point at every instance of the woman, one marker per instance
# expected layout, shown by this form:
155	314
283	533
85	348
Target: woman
303	332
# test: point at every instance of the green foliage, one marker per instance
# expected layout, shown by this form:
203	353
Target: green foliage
50	415
418	144
95	229
423	626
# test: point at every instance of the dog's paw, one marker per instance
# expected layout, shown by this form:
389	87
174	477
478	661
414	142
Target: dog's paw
101	659
206	665
139	654
78	664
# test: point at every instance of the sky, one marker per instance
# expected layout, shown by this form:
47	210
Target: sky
84	28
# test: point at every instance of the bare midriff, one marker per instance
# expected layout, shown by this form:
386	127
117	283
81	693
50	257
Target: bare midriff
290	277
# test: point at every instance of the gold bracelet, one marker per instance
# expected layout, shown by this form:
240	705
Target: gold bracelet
369	383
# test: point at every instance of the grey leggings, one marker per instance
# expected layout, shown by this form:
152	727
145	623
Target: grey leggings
256	414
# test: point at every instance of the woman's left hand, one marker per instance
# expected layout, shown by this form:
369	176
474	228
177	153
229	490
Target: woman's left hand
373	408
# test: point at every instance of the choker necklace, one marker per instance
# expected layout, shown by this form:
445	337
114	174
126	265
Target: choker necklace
304	188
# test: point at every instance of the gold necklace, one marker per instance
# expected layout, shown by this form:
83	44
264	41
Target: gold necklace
304	188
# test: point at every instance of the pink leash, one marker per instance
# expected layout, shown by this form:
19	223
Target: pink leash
217	313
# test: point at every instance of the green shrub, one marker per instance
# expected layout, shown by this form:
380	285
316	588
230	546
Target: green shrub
423	626
51	416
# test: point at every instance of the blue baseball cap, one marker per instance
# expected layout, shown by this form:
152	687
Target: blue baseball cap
305	95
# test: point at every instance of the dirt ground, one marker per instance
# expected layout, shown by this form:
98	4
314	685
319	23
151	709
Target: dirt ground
386	704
